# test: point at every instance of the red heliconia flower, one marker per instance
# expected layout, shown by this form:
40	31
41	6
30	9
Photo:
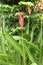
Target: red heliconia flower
21	19
40	9
29	10
41	1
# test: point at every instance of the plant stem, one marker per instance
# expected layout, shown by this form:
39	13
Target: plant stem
28	26
24	56
3	32
40	59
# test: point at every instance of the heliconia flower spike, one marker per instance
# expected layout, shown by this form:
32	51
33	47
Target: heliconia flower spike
29	10
21	19
40	5
40	9
41	1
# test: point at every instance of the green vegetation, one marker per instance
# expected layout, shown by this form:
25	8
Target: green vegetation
21	46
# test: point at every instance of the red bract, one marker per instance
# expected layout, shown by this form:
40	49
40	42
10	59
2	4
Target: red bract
21	19
40	9
41	1
29	10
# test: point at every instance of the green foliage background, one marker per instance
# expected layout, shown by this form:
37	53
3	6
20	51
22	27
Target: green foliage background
18	48
12	2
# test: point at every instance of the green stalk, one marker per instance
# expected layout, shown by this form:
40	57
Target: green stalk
20	55
24	56
28	26
40	58
3	32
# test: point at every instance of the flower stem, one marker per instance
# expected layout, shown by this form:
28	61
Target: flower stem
40	59
3	34
28	26
24	55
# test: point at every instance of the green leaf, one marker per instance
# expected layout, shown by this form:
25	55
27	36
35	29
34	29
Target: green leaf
14	43
33	64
